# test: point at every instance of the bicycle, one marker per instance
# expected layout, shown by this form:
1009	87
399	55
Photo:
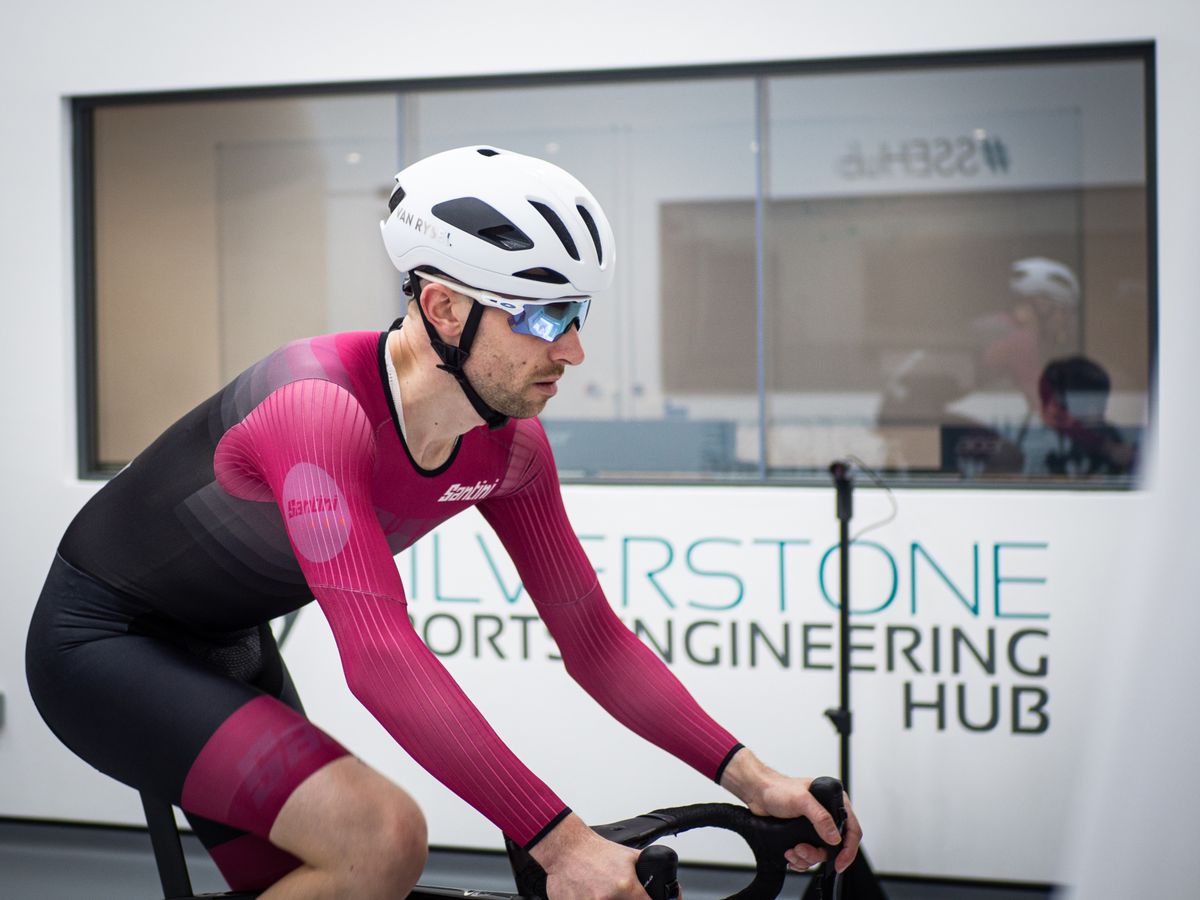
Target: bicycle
657	866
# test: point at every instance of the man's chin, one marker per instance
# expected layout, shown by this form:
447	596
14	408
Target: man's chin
529	411
525	409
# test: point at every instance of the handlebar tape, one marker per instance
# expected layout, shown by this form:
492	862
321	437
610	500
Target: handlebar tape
766	836
657	871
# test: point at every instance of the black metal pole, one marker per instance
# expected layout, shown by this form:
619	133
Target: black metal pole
858	882
168	851
841	716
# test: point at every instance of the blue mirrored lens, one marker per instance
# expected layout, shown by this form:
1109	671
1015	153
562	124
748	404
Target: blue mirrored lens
550	320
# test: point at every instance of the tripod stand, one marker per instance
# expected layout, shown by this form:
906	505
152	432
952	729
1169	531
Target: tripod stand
859	882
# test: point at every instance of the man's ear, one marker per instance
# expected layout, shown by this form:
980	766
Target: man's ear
447	312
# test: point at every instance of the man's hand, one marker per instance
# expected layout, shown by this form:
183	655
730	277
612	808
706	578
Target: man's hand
769	793
581	865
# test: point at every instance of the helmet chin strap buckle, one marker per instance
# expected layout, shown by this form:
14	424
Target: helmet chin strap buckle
454	358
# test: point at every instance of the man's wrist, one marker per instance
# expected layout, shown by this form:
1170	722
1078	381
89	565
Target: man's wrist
545	830
563	839
745	776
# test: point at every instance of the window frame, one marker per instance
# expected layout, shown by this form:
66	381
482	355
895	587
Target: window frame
84	107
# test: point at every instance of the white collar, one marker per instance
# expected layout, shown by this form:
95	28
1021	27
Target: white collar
394	385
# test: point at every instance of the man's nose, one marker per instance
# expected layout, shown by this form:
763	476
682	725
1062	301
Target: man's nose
568	348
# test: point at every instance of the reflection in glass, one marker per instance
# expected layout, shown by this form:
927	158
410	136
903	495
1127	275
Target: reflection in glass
943	271
932	246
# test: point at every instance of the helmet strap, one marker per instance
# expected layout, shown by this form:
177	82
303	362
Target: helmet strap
454	358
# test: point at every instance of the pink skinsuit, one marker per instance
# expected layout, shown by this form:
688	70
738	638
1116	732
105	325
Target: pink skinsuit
305	451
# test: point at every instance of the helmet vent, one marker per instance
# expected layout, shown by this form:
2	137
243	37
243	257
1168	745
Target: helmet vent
546	276
472	215
394	200
487	151
506	237
593	231
560	229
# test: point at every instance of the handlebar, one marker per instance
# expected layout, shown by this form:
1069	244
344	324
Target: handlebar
656	867
658	872
766	836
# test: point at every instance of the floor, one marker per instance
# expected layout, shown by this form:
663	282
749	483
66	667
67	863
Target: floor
40	861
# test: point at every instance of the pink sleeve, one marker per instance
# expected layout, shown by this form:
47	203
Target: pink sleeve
620	672
312	444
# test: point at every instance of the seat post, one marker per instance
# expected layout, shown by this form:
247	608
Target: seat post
168	851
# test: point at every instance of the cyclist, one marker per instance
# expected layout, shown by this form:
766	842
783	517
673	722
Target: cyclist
149	654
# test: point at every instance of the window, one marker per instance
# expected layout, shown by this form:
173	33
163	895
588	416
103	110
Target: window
942	267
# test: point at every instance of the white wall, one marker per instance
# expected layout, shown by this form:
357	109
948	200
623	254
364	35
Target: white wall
59	49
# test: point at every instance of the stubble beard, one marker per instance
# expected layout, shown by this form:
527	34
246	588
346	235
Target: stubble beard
493	385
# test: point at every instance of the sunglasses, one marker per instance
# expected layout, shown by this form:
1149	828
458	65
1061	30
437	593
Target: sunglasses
545	319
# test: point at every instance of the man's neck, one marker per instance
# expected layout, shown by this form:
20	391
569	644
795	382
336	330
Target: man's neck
435	410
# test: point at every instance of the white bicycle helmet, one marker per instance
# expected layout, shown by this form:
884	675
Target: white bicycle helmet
499	221
1037	276
502	223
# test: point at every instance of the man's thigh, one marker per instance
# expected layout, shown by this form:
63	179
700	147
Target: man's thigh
201	723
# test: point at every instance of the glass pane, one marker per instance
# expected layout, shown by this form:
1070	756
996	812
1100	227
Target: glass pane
952	263
654	397
956	272
223	230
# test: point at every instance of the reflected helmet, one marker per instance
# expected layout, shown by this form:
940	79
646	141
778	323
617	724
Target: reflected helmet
499	221
1037	276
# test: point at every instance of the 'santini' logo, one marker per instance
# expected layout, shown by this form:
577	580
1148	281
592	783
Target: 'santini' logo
315	504
463	492
317	521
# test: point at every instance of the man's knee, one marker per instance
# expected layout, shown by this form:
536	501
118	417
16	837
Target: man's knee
388	847
401	847
363	831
